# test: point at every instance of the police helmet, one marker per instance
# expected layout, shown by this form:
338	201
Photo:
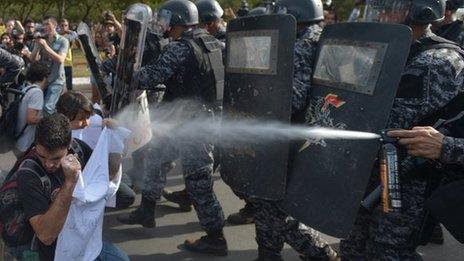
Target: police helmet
406	11
303	10
427	11
209	11
182	12
260	10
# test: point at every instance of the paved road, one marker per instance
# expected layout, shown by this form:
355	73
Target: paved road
173	227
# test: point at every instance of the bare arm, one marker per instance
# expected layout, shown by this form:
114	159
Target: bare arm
48	226
35	53
114	163
57	57
32	116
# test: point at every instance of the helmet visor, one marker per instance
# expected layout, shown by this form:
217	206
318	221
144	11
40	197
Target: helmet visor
162	21
387	11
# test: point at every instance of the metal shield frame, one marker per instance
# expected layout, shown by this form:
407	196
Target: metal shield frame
93	60
328	178
257	92
136	21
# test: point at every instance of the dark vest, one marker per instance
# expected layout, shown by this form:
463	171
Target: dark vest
451	31
204	72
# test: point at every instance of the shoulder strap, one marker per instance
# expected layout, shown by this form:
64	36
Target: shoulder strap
434	42
450	110
39	172
20	99
76	147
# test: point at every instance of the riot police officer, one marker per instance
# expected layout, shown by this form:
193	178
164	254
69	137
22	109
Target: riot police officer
185	69
452	27
210	13
273	226
432	77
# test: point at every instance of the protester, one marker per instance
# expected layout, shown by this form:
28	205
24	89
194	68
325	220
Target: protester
30	110
87	126
53	51
68	64
45	212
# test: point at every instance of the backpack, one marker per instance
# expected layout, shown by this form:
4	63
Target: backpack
8	122
13	224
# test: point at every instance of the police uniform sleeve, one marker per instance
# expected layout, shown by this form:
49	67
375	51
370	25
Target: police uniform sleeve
32	194
303	61
169	62
12	65
452	151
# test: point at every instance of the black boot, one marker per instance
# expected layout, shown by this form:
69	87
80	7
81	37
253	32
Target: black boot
243	216
266	254
179	197
144	215
437	236
328	255
214	243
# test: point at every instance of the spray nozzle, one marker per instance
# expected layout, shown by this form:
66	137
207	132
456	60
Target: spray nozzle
384	138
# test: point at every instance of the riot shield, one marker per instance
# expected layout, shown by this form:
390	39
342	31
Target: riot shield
136	21
258	86
94	62
355	79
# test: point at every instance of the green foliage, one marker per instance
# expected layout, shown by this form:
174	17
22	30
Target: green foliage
343	8
91	10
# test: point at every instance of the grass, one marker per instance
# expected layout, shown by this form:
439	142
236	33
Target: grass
80	68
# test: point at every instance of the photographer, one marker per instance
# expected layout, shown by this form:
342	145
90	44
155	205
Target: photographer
19	47
52	50
113	28
29	31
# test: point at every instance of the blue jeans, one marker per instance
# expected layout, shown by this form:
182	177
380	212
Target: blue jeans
111	253
52	95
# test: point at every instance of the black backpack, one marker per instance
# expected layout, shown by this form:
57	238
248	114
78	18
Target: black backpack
13	223
8	122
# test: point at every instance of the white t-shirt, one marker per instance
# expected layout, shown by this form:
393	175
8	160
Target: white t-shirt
34	99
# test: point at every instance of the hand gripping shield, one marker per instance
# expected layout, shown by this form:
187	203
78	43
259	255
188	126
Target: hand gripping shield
258	86
356	75
137	18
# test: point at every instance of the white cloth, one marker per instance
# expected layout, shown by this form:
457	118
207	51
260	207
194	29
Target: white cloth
81	236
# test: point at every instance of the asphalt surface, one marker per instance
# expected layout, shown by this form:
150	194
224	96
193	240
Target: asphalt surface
164	241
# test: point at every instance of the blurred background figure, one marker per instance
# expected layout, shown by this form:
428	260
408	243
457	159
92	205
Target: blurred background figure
330	15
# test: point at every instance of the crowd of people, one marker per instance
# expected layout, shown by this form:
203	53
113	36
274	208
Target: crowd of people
52	147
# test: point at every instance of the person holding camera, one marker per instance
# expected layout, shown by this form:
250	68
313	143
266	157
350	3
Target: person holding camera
113	28
52	49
